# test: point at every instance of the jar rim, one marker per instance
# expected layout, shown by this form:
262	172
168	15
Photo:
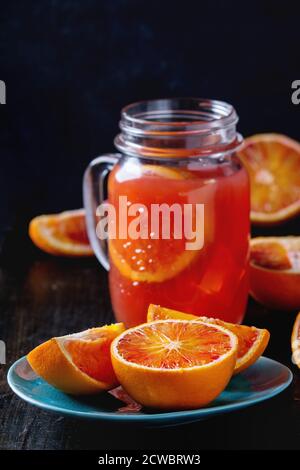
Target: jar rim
185	114
178	127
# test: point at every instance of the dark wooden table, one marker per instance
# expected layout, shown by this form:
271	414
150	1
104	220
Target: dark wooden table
42	297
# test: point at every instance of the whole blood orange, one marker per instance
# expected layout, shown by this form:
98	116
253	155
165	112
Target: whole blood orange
174	364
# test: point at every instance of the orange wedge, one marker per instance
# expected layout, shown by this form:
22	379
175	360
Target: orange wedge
80	363
295	341
251	341
273	164
275	271
174	364
151	260
61	234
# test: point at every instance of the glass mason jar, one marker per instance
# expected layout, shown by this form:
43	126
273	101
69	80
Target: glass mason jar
174	154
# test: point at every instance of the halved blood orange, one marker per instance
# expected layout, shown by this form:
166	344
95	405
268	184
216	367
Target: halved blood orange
295	341
80	363
61	234
252	341
275	271
174	364
152	259
273	164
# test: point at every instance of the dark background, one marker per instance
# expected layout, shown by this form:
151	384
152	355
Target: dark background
70	66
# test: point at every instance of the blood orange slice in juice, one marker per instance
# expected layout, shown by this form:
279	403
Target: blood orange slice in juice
152	259
212	276
174	364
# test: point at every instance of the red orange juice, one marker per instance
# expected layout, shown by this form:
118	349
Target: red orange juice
212	280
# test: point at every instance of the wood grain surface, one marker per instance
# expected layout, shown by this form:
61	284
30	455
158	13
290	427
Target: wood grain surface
41	296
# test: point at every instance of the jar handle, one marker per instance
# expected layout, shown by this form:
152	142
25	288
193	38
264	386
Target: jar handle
94	194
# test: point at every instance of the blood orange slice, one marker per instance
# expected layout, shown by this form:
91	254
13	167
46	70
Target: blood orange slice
275	271
61	234
80	363
252	341
273	164
175	364
152	259
295	341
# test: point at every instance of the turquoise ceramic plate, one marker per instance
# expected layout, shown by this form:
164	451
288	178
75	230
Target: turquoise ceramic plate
261	381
